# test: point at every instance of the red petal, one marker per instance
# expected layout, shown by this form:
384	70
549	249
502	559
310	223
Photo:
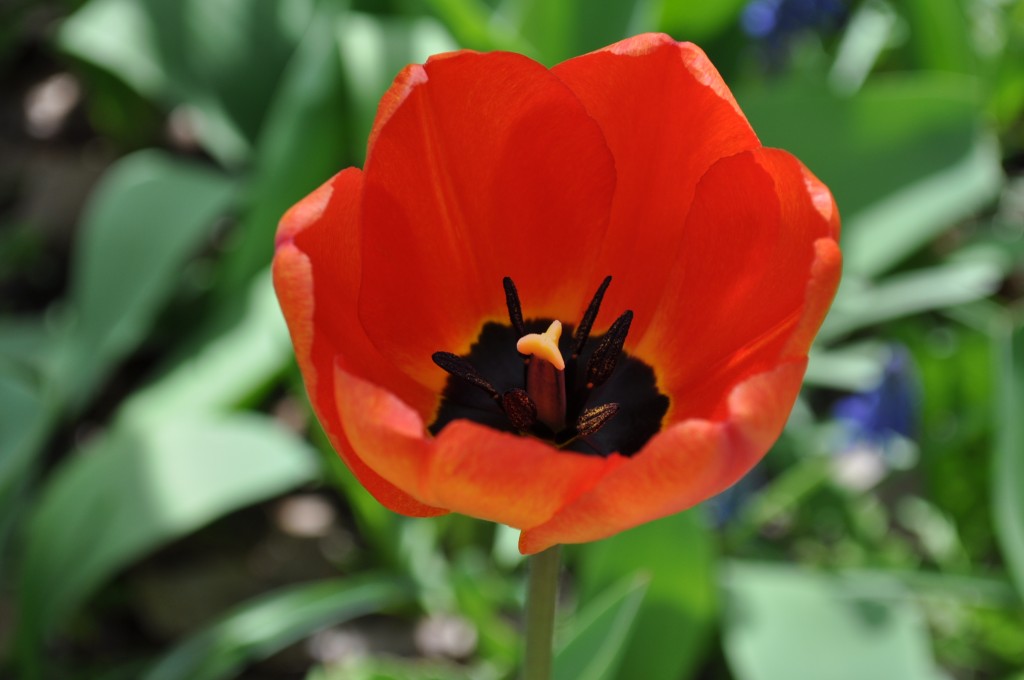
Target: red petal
740	282
680	467
825	272
316	274
488	167
667	116
468	468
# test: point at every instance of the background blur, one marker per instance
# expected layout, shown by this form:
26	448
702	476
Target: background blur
169	509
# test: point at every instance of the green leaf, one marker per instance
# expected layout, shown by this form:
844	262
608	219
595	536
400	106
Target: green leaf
860	303
24	421
25	342
117	35
270	623
373	50
133	491
224	371
198	53
869	31
301	145
149	214
475	26
787	622
880	236
851	368
677	616
23	406
1008	467
593	646
939	36
561	30
697	21
387	668
903	157
484	595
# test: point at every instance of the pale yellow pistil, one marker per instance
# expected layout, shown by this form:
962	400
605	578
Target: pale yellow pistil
545	375
544	345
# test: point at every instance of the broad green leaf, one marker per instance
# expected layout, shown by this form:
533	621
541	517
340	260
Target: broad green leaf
373	50
561	30
28	414
24	422
939	35
485	595
851	368
267	624
593	646
387	668
903	157
374	521
22	409
1006	102
878	237
149	214
426	564
202	54
984	591
132	491
119	36
25	343
224	371
788	622
783	495
868	32
860	303
474	26
25	409
697	21
1008	467
301	145
678	613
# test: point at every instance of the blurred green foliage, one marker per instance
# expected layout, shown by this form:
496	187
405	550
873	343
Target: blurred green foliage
161	480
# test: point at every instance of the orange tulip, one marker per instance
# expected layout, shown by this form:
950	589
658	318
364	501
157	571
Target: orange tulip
497	197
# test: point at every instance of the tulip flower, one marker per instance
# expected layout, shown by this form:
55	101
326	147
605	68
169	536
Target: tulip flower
571	300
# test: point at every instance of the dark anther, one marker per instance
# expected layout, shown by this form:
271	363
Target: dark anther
602	361
587	322
461	368
515	309
593	419
519	408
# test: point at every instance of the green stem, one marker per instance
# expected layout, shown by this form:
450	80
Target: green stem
540	614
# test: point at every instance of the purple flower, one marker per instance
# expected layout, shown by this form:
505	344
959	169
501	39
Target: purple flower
878	426
775	24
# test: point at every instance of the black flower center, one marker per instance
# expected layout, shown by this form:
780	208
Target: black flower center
603	400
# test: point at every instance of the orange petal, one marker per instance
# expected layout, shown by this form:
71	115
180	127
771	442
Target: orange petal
667	117
314	279
680	467
739	284
467	468
487	167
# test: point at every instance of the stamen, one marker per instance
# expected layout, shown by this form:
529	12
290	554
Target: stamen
515	309
519	408
542	408
587	322
602	361
593	419
544	345
461	368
